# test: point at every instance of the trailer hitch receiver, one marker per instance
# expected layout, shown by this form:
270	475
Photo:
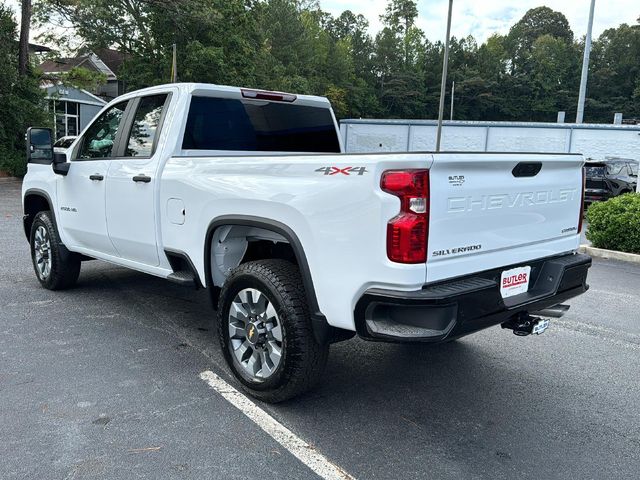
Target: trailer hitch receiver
524	324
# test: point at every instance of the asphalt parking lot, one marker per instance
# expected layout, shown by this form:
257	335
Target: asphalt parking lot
103	381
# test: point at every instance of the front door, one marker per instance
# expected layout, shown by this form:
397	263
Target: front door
132	185
81	193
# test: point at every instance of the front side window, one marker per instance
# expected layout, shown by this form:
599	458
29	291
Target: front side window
145	126
249	125
99	139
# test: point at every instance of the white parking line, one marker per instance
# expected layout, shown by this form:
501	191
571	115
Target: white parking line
304	452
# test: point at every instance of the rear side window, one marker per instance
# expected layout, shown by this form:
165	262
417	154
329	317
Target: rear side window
246	125
145	125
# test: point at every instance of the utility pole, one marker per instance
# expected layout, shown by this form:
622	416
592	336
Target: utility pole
453	93
443	86
585	66
174	66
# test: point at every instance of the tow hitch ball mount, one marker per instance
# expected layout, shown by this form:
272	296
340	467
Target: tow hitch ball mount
524	324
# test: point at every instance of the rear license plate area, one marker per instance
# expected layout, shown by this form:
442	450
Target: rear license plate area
515	281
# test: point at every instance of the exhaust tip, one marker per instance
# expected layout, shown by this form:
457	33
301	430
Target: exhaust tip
557	311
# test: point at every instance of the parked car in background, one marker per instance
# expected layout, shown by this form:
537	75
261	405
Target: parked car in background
621	175
595	189
609	178
63	143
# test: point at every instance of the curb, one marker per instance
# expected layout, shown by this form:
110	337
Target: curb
609	254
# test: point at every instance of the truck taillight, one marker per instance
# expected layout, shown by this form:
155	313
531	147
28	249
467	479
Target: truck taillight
407	232
581	214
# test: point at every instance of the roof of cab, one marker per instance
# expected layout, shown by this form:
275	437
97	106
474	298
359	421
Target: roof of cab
189	88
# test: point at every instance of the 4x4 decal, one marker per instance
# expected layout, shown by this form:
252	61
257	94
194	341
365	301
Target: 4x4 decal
343	171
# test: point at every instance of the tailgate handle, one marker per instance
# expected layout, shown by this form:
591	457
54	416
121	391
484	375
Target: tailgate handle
527	169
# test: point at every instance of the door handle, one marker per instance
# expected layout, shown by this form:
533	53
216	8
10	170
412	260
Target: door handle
141	178
97	177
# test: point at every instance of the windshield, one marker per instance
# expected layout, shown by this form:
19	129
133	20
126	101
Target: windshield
634	169
249	125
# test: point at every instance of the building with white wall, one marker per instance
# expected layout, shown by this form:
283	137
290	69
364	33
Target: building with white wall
593	141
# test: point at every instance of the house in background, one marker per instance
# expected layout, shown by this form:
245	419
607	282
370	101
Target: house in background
74	108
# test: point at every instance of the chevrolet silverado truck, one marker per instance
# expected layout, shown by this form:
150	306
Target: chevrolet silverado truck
247	193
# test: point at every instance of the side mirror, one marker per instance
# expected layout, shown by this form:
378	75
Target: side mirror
60	164
39	146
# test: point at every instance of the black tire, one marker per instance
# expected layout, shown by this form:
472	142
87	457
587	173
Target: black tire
303	359
65	265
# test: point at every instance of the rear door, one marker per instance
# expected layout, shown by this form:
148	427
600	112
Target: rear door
494	210
131	182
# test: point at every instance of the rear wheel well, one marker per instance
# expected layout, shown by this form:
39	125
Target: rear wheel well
232	241
232	245
33	204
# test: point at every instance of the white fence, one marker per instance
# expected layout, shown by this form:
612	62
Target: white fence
593	141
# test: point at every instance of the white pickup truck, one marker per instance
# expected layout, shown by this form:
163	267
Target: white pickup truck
246	193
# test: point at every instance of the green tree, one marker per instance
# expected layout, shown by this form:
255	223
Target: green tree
399	48
533	25
615	73
293	45
22	102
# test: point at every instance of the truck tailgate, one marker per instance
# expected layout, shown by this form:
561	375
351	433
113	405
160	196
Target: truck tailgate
492	210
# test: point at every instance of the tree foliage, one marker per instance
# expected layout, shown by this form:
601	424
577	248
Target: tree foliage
529	74
21	100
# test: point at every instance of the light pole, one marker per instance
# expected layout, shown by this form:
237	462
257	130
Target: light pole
445	64
174	65
453	93
585	66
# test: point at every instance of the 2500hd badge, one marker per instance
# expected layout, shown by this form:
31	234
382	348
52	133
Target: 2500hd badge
454	251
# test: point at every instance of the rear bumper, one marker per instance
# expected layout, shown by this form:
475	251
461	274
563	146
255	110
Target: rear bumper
455	308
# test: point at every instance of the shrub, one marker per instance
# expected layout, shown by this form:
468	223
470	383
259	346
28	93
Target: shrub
615	224
12	162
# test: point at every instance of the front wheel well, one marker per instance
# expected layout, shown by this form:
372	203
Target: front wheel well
33	204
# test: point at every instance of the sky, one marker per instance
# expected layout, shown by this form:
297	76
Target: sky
481	18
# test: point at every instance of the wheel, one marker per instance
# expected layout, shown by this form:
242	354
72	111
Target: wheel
55	267
265	331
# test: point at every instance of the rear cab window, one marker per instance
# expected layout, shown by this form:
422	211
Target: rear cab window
259	126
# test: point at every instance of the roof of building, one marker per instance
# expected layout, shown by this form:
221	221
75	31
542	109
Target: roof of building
38	48
103	60
111	58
